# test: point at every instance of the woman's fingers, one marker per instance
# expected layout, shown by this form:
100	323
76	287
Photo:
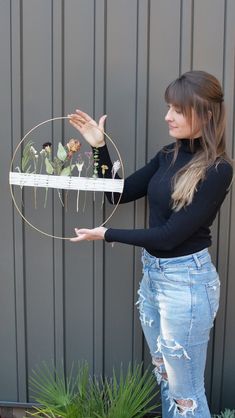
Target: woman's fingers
83	231
76	124
81	122
83	118
77	119
83	115
89	234
83	235
102	122
80	236
91	131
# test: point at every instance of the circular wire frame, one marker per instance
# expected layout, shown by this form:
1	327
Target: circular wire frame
11	168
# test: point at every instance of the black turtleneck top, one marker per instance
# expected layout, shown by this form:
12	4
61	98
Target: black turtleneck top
170	233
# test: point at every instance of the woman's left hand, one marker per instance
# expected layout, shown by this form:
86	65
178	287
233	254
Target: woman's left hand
89	234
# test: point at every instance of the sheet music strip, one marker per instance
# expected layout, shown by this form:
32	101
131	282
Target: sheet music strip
66	182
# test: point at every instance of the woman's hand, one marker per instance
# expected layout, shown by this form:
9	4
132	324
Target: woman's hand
89	234
89	129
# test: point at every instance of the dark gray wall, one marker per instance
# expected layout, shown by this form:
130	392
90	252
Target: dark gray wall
64	301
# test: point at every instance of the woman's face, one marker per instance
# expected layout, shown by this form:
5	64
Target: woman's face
179	126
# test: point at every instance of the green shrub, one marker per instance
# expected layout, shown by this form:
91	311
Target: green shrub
80	396
226	414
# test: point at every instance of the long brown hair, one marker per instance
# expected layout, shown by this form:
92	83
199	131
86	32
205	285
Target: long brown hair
202	92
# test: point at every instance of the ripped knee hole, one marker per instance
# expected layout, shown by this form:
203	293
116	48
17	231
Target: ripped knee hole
185	405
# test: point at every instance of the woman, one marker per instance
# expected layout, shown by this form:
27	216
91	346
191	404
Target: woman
186	183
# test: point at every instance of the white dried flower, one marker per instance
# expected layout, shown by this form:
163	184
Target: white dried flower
80	165
116	166
33	150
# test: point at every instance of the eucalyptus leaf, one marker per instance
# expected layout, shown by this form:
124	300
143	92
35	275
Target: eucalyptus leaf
61	153
67	171
49	168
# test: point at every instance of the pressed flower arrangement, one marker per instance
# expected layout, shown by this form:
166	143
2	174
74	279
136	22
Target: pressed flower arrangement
67	162
65	165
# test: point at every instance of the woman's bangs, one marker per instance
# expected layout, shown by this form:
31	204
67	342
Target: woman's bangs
177	96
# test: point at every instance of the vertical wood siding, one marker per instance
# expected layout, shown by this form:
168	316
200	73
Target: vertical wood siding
72	302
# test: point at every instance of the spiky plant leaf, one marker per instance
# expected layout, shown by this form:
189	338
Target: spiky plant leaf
52	390
228	413
131	397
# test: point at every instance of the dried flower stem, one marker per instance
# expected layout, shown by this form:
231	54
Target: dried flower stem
45	199
84	205
95	166
35	188
77	205
115	168
104	167
89	155
35	197
66	200
60	197
79	167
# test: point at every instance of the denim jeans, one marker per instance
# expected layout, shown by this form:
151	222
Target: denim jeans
178	302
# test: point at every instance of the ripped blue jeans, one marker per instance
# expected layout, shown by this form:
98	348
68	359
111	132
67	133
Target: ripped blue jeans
178	302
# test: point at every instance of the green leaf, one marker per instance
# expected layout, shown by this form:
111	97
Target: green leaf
26	156
67	171
61	153
49	168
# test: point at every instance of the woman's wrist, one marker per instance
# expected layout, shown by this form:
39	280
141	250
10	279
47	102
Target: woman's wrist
105	230
99	145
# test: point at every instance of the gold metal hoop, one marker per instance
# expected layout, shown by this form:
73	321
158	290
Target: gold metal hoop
11	169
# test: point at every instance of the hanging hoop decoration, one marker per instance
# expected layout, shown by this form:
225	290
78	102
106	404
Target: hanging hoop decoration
62	173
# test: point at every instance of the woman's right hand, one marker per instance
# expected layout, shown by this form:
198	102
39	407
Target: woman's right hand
88	128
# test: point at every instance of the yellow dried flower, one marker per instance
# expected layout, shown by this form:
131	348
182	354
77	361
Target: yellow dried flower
73	145
104	168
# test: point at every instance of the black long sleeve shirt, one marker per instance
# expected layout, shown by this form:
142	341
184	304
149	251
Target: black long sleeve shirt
170	233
